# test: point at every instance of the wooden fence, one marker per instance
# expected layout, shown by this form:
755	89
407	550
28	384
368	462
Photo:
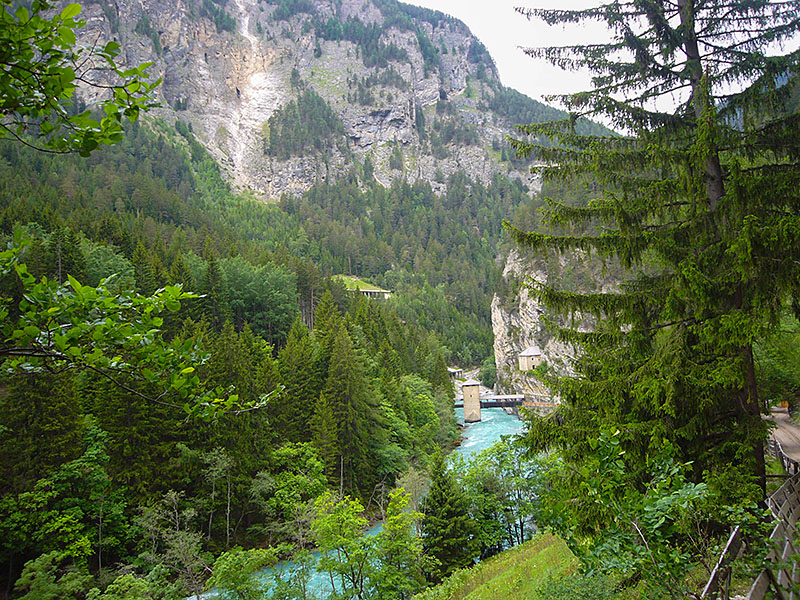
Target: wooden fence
791	466
782	576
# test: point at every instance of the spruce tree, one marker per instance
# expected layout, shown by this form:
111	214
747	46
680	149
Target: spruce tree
141	435
39	420
179	273
352	402
449	534
66	254
325	439
326	315
244	362
144	273
699	206
438	374
291	411
215	304
326	320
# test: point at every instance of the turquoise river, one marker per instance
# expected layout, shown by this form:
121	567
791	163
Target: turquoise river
475	437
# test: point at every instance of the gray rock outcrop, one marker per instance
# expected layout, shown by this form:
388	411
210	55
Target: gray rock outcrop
517	323
227	84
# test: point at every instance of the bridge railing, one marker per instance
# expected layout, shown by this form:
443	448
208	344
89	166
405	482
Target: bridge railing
539	403
782	576
790	465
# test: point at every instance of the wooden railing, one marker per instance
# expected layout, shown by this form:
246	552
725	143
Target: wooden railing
718	585
782	576
790	465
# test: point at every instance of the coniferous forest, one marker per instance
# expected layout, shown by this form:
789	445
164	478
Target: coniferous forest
96	474
191	401
405	238
384	393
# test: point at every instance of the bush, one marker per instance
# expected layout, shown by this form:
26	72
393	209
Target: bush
576	587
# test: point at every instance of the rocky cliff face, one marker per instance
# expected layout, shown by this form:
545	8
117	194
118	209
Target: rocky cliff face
519	320
401	93
517	324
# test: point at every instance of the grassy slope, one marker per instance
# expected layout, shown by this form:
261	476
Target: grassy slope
354	283
513	574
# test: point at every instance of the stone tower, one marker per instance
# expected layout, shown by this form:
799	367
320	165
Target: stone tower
472	401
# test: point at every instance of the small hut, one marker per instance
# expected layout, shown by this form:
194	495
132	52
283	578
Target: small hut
530	358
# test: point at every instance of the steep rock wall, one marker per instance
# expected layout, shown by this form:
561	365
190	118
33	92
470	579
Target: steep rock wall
519	320
517	324
227	84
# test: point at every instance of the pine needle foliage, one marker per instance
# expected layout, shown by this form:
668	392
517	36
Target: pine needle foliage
449	534
699	205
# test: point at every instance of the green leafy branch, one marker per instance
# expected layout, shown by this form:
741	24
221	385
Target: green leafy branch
41	70
642	532
115	335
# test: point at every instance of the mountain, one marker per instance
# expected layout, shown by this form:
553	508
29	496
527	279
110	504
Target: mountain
285	94
366	138
376	130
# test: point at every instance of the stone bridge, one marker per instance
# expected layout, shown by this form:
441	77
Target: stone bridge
472	401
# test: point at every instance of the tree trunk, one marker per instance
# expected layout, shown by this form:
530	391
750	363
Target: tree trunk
748	404
10	575
211	513
58	260
752	408
228	516
715	188
100	540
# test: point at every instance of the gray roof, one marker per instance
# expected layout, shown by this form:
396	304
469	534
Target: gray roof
531	351
471	382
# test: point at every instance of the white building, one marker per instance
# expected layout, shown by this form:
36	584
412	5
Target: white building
455	372
530	358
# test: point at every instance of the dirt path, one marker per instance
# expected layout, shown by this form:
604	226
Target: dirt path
786	432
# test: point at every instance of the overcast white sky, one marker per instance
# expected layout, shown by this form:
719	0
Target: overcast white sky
502	30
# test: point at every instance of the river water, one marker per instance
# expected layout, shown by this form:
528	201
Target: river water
475	437
479	436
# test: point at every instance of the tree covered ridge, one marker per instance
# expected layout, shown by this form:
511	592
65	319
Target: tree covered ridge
437	250
376	52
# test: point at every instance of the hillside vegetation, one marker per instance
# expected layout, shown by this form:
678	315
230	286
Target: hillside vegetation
515	573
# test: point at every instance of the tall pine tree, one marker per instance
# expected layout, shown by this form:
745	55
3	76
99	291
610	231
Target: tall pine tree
39	419
293	408
351	400
449	534
66	255
700	204
215	304
144	273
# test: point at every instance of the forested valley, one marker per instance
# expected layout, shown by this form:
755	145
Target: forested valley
193	402
136	208
97	475
189	395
